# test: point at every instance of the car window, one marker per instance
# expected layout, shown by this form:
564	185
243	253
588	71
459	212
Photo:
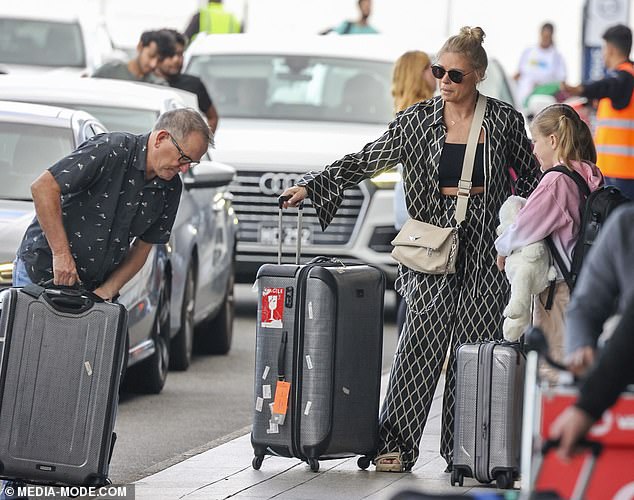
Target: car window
115	119
41	43
297	87
25	152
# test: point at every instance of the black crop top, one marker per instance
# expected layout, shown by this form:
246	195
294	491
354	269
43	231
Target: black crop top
450	166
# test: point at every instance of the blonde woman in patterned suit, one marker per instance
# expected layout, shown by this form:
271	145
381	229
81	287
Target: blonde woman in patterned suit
429	140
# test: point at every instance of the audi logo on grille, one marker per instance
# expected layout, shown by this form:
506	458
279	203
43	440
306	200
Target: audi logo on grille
274	184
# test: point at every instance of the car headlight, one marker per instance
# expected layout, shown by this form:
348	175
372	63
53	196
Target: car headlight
386	180
6	273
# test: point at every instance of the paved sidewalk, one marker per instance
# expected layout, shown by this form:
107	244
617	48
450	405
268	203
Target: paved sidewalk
225	472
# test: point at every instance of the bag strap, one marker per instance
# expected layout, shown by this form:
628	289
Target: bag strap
464	185
584	189
560	262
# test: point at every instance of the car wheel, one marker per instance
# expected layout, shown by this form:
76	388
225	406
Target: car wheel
182	344
150	375
214	335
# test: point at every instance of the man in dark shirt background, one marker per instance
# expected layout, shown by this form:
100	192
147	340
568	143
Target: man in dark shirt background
170	69
100	209
141	68
614	136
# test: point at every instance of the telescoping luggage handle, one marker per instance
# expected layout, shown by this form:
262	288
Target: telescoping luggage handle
300	210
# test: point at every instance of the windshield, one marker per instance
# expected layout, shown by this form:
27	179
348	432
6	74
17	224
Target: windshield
297	87
135	121
41	43
27	150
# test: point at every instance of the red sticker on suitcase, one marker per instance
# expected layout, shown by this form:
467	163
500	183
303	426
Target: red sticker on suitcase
272	307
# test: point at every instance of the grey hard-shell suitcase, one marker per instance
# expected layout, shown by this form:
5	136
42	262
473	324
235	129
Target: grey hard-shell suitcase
488	412
62	357
319	328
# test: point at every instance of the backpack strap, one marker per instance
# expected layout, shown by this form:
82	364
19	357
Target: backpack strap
584	191
560	264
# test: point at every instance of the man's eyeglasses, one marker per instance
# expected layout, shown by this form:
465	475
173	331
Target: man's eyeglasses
183	159
455	75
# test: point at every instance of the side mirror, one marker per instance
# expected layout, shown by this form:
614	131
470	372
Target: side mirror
209	174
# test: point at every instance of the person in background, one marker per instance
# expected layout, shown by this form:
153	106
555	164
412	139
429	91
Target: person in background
443	311
212	19
560	138
613	370
359	27
170	69
111	236
412	82
614	135
141	68
539	65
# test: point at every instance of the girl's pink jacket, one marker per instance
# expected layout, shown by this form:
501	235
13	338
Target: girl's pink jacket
552	209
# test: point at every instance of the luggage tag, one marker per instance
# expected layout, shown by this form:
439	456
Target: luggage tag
282	388
280	403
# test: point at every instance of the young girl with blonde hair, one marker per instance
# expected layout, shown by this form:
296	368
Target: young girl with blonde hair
560	138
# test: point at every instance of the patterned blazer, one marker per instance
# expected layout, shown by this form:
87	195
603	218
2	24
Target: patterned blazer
415	139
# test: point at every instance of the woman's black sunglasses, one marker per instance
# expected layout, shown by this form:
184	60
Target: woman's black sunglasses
455	75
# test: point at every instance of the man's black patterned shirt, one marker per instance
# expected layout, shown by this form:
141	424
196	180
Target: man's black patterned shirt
106	203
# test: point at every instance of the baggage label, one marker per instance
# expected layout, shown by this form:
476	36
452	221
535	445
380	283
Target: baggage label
266	372
280	403
272	307
259	403
266	391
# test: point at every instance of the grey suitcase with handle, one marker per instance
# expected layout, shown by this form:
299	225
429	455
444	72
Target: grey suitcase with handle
319	328
62	359
488	412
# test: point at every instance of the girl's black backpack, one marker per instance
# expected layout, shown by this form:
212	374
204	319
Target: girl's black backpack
595	208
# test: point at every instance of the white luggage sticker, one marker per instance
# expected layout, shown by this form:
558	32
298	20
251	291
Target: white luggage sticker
272	307
266	391
259	403
88	368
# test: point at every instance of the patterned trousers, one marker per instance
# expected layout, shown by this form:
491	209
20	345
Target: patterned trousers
442	313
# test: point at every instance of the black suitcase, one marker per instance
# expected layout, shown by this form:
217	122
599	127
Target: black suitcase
61	365
319	329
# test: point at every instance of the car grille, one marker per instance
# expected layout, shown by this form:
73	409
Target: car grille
256	210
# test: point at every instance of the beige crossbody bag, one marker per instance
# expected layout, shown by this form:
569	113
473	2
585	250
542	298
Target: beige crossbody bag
430	249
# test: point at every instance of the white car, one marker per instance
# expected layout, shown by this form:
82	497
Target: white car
201	260
287	108
68	38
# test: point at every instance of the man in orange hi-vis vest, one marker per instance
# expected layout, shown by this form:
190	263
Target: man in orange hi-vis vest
614	136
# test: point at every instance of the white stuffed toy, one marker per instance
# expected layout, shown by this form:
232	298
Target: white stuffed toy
529	271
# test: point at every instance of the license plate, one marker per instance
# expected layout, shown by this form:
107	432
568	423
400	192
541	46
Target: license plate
268	235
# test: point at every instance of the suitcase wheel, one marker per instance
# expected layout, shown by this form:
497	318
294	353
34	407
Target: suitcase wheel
314	464
504	480
456	477
257	462
364	462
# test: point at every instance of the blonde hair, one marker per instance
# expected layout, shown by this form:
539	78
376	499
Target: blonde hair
408	84
469	43
573	134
